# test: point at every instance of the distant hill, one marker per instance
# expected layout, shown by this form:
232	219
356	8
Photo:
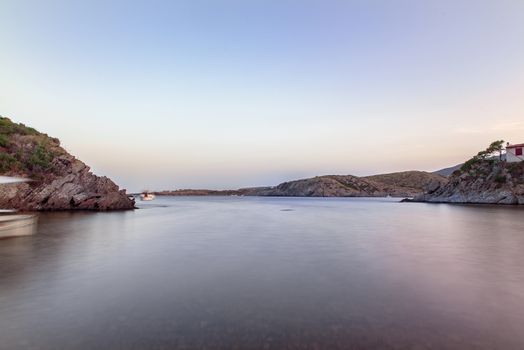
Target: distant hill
448	171
402	184
197	192
413	181
59	180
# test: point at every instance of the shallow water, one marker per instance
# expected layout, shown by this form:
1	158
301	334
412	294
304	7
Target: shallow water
267	273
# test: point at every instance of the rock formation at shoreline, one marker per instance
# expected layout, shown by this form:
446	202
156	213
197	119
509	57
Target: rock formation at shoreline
481	181
59	180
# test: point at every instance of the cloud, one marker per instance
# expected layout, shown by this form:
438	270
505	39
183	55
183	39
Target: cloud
465	130
506	127
509	126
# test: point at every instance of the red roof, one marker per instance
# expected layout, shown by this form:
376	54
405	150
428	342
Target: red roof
513	146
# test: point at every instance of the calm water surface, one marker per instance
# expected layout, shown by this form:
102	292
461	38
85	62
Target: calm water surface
267	273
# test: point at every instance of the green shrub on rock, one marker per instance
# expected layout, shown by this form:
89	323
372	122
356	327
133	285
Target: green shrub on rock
7	127
40	158
7	162
4	141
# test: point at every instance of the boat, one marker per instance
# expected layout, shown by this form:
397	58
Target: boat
13	224
146	196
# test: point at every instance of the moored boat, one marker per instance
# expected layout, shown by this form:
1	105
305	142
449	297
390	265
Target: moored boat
146	196
13	224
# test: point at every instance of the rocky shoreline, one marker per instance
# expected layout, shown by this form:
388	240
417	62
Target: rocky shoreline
487	181
59	181
75	189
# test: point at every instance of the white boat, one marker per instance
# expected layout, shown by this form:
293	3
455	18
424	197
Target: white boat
147	196
12	224
12	180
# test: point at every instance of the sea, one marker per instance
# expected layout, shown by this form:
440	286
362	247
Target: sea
267	273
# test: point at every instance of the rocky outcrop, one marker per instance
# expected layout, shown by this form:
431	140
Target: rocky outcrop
403	184
487	181
59	181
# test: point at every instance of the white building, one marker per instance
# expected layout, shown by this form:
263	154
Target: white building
514	153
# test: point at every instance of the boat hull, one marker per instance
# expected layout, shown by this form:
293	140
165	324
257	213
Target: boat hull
17	225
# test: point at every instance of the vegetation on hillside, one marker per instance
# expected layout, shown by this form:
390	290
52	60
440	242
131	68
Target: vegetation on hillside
7	127
488	165
25	151
487	155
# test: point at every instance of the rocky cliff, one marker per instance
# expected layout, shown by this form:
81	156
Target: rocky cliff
403	184
59	180
481	181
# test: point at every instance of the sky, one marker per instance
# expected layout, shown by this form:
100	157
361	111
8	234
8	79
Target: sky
228	94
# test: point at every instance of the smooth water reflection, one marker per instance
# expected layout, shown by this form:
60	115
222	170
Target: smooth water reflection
267	273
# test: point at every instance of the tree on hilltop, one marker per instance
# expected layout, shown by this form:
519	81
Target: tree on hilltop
494	147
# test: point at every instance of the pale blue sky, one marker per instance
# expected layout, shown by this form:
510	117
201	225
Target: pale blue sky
225	94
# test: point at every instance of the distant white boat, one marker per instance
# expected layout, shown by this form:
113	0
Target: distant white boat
147	196
12	224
